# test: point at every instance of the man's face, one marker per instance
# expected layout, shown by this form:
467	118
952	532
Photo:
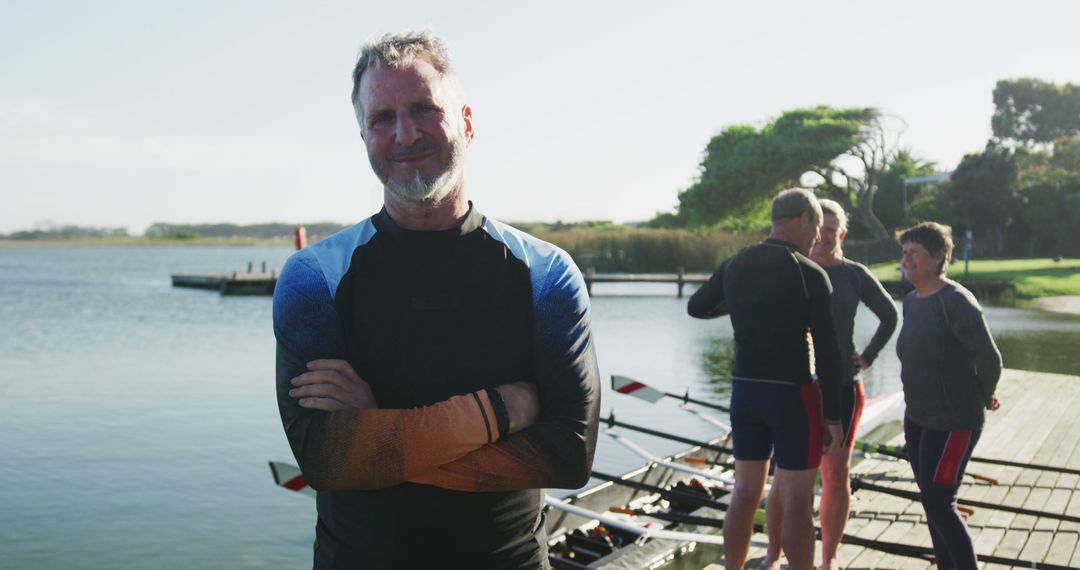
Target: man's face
808	232
830	237
416	130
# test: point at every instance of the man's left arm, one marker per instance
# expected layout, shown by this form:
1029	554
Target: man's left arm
556	451
826	347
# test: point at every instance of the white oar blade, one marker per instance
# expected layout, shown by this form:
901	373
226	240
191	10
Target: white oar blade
631	387
631	527
290	477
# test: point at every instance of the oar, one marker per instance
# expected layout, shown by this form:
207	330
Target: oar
895	548
641	452
612	422
636	529
858	483
901	452
638	389
759	516
668	494
290	477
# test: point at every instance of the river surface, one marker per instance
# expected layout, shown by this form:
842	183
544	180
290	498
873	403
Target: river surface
137	419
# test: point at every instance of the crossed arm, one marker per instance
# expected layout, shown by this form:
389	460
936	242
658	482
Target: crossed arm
344	441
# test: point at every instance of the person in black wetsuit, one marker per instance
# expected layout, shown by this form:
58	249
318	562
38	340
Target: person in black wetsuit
435	368
775	295
852	282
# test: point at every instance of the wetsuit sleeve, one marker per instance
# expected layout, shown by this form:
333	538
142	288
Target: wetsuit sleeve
969	326
708	301
359	449
826	348
557	451
874	296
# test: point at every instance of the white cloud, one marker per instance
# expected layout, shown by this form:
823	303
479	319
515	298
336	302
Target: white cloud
29	117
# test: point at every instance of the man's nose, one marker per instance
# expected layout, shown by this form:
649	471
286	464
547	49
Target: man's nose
407	131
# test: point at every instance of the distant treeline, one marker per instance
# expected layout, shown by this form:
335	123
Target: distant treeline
273	230
66	232
599	244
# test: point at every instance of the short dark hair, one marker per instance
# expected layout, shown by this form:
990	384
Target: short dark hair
794	202
935	237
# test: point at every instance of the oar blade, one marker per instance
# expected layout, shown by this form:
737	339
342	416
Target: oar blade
631	387
290	477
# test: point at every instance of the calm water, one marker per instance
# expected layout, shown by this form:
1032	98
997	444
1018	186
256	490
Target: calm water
137	419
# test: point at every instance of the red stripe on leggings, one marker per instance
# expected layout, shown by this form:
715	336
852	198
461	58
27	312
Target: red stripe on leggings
856	415
948	467
811	397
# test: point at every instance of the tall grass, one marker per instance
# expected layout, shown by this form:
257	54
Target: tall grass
637	250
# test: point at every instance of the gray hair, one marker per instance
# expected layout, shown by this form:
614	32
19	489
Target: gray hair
833	207
793	202
398	51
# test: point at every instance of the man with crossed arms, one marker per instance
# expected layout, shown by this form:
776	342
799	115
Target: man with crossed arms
435	368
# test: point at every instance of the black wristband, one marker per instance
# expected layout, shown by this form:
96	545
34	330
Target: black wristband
502	415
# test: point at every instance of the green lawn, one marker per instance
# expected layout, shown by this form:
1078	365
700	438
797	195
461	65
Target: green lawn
1033	277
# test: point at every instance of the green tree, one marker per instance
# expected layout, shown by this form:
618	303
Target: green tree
983	193
889	203
1049	188
1035	111
847	149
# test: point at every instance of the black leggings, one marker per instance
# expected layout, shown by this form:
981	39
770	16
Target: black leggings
938	459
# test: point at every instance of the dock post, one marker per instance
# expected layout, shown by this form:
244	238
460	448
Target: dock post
682	275
264	266
251	266
589	279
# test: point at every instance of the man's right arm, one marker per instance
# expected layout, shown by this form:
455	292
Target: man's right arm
359	448
708	301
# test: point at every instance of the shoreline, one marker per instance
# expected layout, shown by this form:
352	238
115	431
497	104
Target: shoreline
1065	304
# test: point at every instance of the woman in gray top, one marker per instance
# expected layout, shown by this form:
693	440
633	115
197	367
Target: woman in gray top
950	368
851	282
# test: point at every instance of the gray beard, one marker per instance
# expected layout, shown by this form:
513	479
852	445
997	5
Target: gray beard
419	190
434	191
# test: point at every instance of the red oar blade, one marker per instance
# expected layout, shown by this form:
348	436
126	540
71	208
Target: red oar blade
290	477
631	387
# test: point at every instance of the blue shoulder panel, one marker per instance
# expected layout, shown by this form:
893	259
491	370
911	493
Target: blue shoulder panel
551	269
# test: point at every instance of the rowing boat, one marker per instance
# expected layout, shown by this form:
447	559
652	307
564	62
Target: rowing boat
577	541
584	534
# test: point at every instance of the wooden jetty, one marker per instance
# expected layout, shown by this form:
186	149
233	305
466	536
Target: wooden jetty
228	283
679	278
1038	424
262	283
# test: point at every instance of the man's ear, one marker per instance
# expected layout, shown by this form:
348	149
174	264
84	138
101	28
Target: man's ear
466	117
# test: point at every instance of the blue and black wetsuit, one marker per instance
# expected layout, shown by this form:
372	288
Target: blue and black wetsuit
775	295
431	320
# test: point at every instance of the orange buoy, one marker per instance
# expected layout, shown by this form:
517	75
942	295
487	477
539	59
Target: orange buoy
300	236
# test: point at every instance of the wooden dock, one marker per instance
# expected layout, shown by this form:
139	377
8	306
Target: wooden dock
263	283
228	283
679	278
1038	423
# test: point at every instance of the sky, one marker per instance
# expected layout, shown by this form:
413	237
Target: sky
127	113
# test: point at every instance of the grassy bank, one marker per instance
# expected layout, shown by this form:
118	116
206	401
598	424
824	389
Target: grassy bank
1033	278
647	250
